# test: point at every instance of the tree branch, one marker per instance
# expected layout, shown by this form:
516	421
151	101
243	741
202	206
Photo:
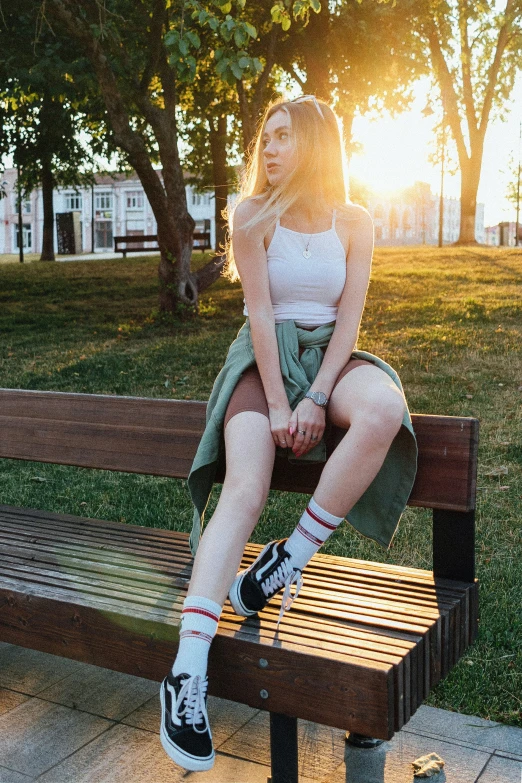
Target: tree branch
155	43
301	82
465	64
270	59
446	84
502	41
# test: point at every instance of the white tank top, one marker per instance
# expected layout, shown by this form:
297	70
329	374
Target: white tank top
304	289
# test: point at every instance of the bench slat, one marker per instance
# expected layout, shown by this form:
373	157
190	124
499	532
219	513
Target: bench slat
101	431
67	585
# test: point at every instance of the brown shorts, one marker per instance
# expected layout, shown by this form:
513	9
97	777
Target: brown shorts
249	394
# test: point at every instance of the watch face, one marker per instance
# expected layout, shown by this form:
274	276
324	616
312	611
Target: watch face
319	398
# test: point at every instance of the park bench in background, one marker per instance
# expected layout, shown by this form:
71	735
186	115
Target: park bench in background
363	644
133	243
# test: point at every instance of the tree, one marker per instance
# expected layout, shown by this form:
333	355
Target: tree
40	120
141	53
475	49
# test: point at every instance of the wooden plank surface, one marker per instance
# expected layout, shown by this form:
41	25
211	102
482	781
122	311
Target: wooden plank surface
374	636
103	431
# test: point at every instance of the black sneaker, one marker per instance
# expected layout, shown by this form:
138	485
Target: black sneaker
272	571
184	731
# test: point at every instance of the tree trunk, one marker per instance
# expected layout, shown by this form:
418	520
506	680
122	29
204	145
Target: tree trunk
315	52
218	146
470	176
48	211
248	125
168	198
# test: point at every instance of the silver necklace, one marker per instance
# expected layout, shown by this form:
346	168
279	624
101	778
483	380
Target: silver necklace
307	253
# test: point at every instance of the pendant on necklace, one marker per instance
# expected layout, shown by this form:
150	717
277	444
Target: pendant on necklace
306	253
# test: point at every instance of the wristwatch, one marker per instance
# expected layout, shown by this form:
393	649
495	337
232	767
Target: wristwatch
319	398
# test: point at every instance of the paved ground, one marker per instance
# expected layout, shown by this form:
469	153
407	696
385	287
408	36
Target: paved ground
68	722
104	256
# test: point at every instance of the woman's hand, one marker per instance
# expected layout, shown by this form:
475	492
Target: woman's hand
279	426
307	424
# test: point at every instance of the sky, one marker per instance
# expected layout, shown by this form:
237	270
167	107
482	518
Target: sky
395	153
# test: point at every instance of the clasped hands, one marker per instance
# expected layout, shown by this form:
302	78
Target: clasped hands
299	430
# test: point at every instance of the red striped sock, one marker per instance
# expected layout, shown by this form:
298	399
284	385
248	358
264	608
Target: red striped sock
199	622
314	527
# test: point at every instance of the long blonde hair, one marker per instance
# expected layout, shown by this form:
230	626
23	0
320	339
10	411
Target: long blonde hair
318	173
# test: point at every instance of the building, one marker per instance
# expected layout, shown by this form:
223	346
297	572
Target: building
504	234
411	217
115	205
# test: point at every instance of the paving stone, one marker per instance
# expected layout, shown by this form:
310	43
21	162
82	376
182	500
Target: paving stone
30	671
10	699
128	755
38	734
226	717
10	776
514	756
391	762
466	728
321	748
502	770
101	692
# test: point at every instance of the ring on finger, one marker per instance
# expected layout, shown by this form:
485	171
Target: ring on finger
313	437
301	432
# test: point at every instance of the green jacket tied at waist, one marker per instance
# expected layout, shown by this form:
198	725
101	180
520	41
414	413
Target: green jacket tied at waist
377	513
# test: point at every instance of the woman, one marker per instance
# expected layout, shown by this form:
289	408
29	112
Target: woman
303	255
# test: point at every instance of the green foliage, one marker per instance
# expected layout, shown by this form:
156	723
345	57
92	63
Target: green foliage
42	92
226	37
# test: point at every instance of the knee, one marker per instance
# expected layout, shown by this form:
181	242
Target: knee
382	414
247	492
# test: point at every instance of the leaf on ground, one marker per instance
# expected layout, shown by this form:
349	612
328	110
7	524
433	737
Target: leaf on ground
500	471
38	478
427	766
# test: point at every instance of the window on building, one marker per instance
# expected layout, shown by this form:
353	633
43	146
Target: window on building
135	199
103	200
394	222
73	202
26	205
196	199
104	234
27	236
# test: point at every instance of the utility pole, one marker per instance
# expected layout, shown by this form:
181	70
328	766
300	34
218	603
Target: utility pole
92	217
19	191
518	184
442	153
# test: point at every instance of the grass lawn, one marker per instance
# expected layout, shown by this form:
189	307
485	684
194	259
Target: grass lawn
450	321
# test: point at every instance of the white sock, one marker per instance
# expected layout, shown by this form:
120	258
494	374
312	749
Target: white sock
199	622
314	527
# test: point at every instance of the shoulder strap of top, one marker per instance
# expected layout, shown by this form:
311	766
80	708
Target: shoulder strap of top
334	215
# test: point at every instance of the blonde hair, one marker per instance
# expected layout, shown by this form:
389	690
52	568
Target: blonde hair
318	173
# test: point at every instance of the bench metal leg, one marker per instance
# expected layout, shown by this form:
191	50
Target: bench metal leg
283	749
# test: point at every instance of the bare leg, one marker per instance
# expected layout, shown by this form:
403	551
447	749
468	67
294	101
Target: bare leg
250	453
368	402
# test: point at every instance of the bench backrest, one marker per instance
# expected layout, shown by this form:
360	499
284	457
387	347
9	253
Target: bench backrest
159	437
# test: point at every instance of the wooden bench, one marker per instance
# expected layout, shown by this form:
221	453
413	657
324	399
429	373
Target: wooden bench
132	241
201	237
360	649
